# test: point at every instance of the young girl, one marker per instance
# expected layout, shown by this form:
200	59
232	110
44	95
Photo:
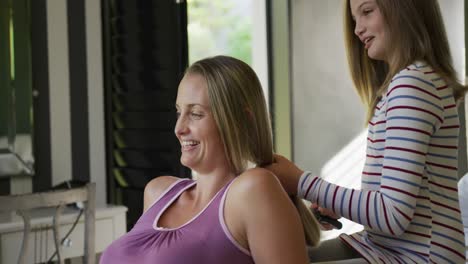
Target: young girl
401	66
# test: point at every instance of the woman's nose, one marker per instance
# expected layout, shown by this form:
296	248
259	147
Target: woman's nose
181	126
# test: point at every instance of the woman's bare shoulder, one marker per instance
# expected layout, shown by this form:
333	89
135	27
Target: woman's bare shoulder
256	183
257	176
155	188
255	205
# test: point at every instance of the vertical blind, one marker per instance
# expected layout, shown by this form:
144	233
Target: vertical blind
146	54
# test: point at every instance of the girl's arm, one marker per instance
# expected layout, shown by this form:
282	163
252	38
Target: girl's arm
413	113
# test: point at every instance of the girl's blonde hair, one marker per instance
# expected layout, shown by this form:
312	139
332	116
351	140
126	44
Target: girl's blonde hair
241	115
416	32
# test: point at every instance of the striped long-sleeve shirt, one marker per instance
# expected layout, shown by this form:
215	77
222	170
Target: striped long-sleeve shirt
408	202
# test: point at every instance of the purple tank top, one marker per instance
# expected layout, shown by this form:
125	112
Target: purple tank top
204	239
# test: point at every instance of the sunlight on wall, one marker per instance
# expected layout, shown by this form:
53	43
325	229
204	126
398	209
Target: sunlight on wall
345	169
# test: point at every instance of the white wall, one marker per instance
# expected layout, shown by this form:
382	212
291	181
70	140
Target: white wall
454	19
327	113
97	156
259	43
59	87
59	108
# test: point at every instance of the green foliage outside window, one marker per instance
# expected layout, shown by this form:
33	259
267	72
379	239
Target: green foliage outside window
219	27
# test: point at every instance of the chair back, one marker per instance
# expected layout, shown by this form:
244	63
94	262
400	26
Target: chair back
24	204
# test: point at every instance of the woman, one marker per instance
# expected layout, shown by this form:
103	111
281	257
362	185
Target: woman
230	214
400	64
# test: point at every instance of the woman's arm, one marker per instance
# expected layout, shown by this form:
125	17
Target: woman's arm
261	217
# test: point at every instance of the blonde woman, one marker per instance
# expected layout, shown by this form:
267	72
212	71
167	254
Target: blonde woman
230	214
401	66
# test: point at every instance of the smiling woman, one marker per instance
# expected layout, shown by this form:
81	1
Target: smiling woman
196	128
229	213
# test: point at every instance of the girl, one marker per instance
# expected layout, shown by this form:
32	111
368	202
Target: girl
400	64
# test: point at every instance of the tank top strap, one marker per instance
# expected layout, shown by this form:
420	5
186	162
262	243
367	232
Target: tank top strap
149	215
222	222
222	192
218	199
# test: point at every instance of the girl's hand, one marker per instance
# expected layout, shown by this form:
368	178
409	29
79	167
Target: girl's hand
325	212
287	172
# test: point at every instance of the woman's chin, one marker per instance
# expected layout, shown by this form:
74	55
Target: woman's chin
187	163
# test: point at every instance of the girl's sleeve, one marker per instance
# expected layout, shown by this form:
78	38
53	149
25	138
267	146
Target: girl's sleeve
414	112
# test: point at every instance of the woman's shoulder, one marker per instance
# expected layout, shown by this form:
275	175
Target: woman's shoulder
254	184
262	192
155	188
256	203
160	183
256	178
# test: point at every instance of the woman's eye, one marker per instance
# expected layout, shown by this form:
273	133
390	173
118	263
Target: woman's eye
367	11
177	115
196	115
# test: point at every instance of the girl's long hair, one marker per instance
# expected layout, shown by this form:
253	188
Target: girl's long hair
416	32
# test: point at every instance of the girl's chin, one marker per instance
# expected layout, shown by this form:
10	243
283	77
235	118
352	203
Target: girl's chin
374	55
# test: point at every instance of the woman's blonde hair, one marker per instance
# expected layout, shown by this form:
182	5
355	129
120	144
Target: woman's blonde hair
416	32
241	115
